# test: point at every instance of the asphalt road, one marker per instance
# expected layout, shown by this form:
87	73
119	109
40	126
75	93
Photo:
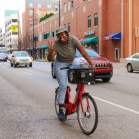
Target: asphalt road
27	105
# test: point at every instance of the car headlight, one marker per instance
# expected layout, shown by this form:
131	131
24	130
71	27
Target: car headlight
30	59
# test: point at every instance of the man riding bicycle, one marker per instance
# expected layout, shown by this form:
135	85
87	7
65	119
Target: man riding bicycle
62	51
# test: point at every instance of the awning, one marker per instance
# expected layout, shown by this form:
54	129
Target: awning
43	46
113	36
116	36
89	40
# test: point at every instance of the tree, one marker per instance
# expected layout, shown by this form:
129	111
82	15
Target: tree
46	16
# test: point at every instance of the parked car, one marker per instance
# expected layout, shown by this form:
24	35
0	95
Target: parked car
132	62
20	58
104	68
3	57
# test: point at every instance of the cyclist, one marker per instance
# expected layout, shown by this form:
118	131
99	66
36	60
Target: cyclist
62	51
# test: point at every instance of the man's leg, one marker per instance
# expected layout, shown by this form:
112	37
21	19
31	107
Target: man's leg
62	79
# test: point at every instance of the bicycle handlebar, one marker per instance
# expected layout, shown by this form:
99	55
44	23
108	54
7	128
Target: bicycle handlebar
79	67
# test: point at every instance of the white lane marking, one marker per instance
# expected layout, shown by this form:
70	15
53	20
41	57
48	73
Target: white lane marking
117	105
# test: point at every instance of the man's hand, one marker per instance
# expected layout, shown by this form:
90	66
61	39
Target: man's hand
85	55
51	50
51	45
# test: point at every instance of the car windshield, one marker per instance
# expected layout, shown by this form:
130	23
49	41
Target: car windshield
21	54
136	56
91	53
3	54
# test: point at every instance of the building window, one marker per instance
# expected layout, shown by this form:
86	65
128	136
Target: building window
30	3
89	21
46	35
84	9
31	22
39	6
40	37
69	5
14	33
40	13
65	25
65	7
96	19
69	27
49	6
72	4
14	20
53	34
30	12
39	3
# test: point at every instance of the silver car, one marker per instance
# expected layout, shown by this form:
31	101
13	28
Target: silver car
132	62
20	58
3	57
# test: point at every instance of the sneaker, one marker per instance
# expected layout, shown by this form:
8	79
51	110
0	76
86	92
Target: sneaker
61	115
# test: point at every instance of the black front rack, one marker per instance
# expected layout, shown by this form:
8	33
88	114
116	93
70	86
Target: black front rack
80	74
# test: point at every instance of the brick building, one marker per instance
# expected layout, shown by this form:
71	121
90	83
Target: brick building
11	29
118	26
109	27
130	27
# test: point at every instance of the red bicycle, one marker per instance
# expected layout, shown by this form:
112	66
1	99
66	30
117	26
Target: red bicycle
84	104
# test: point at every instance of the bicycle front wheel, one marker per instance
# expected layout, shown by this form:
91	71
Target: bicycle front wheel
87	114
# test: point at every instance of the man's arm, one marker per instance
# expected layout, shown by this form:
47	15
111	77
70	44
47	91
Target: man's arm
85	55
51	55
79	46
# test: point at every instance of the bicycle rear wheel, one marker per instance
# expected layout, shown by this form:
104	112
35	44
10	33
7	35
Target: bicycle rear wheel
87	114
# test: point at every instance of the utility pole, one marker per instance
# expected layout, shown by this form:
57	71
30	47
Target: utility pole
33	37
59	14
18	22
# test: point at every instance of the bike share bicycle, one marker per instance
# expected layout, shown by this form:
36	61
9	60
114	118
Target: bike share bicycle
84	104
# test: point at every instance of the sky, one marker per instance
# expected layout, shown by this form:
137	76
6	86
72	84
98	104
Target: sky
10	5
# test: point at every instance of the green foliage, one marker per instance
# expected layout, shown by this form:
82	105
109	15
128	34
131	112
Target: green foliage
46	16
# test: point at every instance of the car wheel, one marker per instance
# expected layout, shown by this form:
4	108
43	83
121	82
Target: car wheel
52	72
129	68
11	64
106	79
30	65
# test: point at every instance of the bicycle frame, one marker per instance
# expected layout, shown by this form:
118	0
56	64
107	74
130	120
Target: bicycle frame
83	103
72	107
